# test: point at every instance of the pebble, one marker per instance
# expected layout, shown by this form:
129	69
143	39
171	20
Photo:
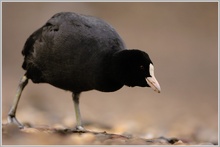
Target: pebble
179	142
30	130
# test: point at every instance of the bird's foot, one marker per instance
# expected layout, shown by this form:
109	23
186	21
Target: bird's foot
80	129
13	119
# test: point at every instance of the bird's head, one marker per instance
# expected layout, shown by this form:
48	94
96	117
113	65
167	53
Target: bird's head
135	68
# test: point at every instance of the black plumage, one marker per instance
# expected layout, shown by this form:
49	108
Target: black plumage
78	53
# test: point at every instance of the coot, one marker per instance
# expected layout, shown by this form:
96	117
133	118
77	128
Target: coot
79	53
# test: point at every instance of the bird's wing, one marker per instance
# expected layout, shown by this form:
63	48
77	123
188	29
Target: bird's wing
29	44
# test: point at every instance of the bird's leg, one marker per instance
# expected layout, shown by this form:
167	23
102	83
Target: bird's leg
11	115
77	112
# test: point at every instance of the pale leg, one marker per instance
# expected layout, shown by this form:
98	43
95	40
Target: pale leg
12	113
75	97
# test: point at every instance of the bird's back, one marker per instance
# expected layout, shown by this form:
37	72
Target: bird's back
69	51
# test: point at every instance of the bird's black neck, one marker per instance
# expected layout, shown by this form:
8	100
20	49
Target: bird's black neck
110	80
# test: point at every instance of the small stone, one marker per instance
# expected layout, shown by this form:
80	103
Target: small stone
179	142
30	130
173	140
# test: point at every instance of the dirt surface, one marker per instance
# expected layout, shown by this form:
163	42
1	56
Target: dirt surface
62	136
182	41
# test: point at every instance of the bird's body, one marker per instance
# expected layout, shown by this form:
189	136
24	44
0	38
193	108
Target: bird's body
78	53
71	53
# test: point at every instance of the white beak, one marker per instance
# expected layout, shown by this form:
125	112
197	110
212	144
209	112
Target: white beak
152	81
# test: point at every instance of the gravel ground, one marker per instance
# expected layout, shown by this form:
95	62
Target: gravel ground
63	136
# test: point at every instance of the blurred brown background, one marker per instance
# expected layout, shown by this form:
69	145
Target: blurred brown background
182	41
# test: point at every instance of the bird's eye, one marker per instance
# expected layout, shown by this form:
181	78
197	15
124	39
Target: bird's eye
142	67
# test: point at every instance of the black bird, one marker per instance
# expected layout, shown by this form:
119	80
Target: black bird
79	53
